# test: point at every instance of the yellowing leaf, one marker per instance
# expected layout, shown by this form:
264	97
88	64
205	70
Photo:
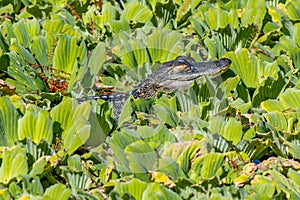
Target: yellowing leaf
162	178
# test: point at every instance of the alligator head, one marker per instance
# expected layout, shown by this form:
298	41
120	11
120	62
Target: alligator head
178	74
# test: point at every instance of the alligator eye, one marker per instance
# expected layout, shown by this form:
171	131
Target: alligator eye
225	61
180	68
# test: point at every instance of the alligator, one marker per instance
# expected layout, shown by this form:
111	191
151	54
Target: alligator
171	75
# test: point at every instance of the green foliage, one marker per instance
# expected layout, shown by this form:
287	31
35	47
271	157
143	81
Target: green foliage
13	164
235	136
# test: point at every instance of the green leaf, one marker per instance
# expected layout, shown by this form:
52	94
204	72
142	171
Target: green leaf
219	143
157	191
141	157
32	184
283	184
294	176
254	15
58	3
293	9
184	100
232	130
134	53
37	151
294	55
36	124
269	89
290	98
271	27
120	25
25	31
241	106
68	53
39	49
164	111
4	194
216	123
3	45
263	185
171	168
24	81
245	64
8	122
293	149
68	111
108	13
255	149
159	133
296	37
74	163
38	167
73	119
277	120
136	12
58	191
215	46
164	46
88	72
76	136
96	61
217	18
118	142
135	187
127	112
211	164
14	164
272	105
183	12
187	153
101	121
164	12
78	181
24	53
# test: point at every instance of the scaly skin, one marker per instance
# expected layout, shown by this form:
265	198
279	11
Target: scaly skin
178	74
175	74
